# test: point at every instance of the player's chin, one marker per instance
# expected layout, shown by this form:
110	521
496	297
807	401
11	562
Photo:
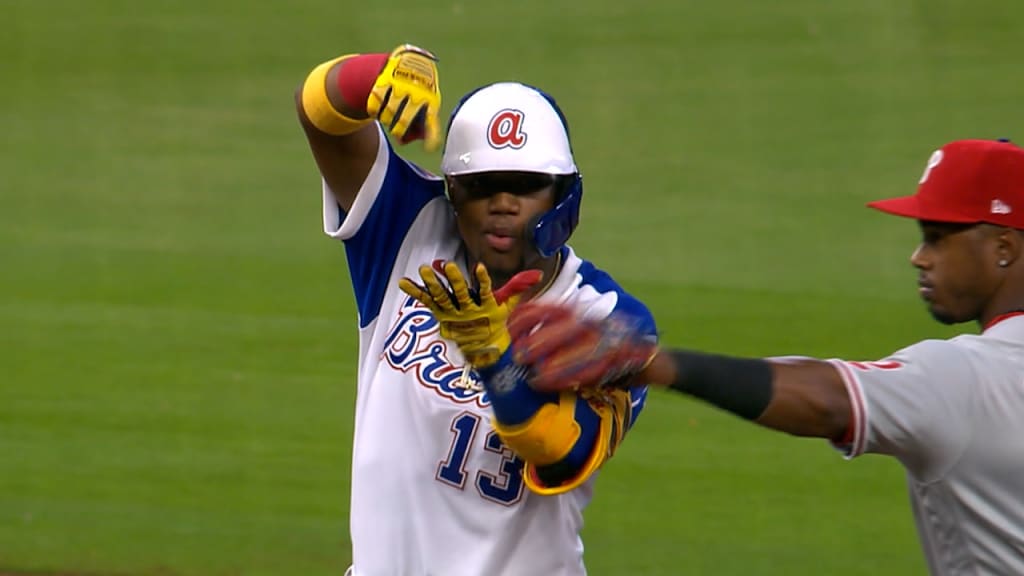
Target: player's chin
946	316
502	264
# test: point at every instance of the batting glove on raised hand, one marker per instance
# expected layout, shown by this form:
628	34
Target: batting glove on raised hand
474	321
566	352
406	97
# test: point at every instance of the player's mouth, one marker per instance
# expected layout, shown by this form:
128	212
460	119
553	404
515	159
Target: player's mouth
500	243
500	239
925	290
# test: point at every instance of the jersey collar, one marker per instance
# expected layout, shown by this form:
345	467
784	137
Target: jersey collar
1002	317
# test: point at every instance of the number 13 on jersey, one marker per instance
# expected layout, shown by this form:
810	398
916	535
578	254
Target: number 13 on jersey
504	485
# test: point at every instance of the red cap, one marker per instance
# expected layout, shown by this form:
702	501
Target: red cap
967	181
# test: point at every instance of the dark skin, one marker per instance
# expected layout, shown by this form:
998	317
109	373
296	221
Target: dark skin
966	273
492	219
959	271
493	211
344	161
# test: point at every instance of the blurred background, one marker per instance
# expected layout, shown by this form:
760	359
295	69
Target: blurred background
178	338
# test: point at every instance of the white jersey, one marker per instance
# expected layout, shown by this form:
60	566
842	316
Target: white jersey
952	412
434	491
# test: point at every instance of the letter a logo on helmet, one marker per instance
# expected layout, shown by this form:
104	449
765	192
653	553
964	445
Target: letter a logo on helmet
505	129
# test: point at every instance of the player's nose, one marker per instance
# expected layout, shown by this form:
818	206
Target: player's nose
918	258
504	203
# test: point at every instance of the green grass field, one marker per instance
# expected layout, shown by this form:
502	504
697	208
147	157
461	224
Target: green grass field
177	338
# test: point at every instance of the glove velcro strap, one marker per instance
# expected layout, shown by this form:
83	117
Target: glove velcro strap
318	107
601	452
512	399
547	436
414	65
484	341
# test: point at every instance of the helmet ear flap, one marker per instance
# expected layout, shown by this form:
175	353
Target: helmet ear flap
552	229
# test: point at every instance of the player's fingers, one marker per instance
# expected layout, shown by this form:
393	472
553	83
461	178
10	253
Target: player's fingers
516	285
458	283
416	130
432	139
533	313
483	280
377	100
390	109
416	291
543	382
396	107
512	301
404	119
438	293
548	378
526	318
574	369
570	367
551	338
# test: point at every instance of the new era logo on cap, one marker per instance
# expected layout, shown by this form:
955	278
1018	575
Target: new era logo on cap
1000	207
967	181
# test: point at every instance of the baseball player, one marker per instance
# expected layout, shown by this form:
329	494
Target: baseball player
459	467
951	411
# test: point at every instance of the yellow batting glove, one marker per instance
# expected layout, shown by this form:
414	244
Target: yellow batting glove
475	322
406	96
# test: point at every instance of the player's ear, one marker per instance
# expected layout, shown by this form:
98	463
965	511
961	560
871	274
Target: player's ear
450	189
1009	244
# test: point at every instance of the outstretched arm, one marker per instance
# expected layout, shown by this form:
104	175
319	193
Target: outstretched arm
803	396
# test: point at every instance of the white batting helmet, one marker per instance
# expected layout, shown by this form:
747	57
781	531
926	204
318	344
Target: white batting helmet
507	126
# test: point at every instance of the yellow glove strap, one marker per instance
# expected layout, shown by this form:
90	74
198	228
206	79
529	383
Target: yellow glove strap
483	352
318	106
547	436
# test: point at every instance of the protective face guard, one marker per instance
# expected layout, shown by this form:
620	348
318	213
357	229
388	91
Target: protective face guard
553	228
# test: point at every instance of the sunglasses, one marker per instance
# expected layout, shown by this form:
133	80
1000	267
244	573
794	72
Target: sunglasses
518	183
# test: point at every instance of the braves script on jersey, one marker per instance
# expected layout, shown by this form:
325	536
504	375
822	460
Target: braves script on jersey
434	491
952	412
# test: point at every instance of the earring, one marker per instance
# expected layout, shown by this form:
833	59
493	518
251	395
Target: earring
1003	263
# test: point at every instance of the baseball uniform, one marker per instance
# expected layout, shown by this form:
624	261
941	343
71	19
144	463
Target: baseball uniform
952	412
434	491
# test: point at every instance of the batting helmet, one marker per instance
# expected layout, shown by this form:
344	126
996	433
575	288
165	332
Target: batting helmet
510	126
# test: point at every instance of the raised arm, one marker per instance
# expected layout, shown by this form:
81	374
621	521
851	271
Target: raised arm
340	99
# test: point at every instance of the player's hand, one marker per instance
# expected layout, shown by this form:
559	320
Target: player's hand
406	96
474	321
566	352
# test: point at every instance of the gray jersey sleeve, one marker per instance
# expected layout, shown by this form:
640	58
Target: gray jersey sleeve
914	405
